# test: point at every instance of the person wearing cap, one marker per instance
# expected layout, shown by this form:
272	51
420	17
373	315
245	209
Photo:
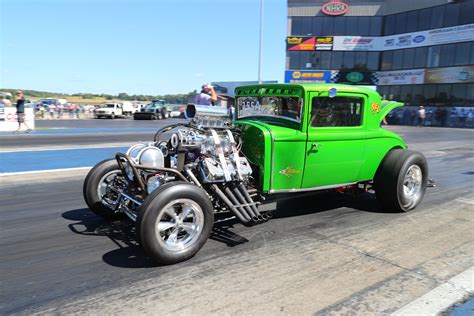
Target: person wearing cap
207	96
20	110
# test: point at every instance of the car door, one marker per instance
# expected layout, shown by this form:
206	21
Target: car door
335	145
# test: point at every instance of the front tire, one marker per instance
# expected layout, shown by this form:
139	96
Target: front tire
95	187
174	222
401	180
112	116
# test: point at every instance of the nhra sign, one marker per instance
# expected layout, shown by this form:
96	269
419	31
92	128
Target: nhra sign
335	7
309	43
307	76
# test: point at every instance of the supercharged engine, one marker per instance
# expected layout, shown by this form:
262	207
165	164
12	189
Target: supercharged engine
205	152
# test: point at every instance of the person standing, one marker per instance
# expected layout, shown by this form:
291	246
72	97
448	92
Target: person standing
208	95
421	115
20	111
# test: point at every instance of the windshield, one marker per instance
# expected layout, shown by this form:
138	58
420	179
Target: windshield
109	106
285	107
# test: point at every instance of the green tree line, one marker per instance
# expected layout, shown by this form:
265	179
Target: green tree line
170	98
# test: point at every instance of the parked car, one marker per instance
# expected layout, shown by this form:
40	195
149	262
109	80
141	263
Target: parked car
113	110
156	110
286	138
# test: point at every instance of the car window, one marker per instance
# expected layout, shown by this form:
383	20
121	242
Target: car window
336	112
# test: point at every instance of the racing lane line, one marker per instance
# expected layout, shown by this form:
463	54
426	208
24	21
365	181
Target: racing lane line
65	148
442	297
44	171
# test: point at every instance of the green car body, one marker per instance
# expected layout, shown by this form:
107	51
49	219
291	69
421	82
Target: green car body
293	155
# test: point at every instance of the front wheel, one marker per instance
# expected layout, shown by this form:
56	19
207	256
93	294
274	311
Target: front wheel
96	190
112	116
174	222
401	181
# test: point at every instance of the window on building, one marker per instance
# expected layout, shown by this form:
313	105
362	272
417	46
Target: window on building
383	91
466	15
373	60
437	17
338	111
340	26
434	56
401	24
375	26
470	94
458	92
305	59
360	60
424	19
336	60
294	60
394	93
463	51
444	93
315	60
363	25
348	60
397	59
306	27
351	25
417	93
420	57
429	91
296	25
389	25
328	26
412	21
325	61
471	60
406	93
317	26
387	60
447	55
451	14
409	58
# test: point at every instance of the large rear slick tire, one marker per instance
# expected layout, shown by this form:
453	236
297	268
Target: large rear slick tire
401	180
174	222
95	186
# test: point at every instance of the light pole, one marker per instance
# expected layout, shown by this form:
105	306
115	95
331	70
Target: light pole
260	44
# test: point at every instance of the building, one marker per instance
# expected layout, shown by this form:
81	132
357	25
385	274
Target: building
415	51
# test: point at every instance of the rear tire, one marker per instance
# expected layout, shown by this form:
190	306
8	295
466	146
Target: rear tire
174	222
401	180
98	176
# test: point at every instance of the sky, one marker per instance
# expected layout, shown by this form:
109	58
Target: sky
138	46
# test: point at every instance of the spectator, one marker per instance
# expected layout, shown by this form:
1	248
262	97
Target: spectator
207	96
20	111
60	109
421	116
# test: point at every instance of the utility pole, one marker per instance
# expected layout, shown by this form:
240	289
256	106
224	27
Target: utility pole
260	44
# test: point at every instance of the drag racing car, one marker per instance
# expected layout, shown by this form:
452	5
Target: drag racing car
156	110
286	138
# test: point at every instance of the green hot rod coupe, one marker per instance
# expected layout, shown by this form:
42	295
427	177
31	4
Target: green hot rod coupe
285	138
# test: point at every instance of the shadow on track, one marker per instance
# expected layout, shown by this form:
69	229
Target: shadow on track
129	253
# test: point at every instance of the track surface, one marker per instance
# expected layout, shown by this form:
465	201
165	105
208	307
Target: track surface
321	254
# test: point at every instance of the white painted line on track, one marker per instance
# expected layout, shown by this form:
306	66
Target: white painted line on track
43	171
442	297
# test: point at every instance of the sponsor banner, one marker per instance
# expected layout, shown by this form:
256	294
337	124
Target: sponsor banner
360	43
400	77
10	118
307	76
454	34
450	75
309	43
354	77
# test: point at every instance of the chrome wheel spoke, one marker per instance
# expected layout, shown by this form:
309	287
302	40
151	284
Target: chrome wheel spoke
173	237
189	227
170	212
185	213
163	226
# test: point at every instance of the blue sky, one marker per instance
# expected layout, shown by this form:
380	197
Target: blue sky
138	47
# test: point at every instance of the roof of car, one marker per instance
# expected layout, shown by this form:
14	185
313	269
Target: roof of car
286	88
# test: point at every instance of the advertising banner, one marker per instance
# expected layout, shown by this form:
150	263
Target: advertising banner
307	76
309	43
400	77
359	43
454	34
10	118
354	77
450	75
